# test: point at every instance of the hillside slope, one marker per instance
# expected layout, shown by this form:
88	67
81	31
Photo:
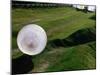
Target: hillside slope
71	39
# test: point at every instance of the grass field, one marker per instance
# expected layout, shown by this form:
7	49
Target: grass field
63	25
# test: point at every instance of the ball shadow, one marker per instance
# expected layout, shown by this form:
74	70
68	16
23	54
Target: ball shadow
22	64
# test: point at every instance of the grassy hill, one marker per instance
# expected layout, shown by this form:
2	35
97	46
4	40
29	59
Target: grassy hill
71	38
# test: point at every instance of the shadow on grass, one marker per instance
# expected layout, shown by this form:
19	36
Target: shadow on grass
93	17
22	64
77	38
14	33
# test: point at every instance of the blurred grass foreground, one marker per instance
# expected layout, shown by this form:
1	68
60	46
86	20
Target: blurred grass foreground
71	39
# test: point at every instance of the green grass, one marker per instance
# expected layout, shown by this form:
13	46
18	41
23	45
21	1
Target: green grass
74	58
61	59
62	21
59	23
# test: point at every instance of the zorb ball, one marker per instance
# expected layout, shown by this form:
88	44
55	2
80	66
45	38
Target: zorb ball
32	39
